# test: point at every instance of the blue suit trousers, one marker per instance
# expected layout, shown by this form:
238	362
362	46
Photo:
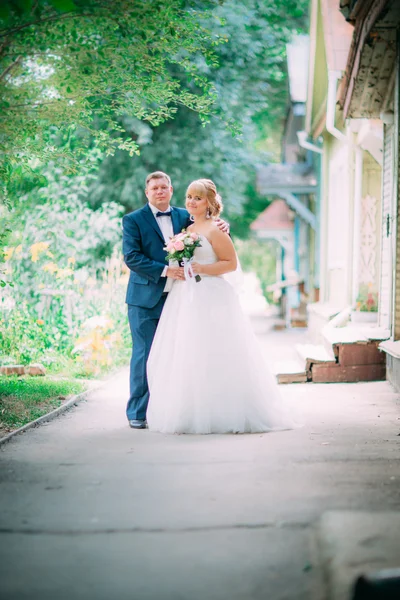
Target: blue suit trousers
143	324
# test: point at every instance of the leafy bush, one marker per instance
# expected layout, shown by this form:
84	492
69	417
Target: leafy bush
24	338
64	260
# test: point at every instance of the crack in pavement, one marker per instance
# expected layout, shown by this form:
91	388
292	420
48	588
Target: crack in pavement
296	525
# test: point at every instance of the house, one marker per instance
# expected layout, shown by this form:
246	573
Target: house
369	95
276	223
346	123
293	183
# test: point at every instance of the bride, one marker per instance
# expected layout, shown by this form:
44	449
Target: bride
205	371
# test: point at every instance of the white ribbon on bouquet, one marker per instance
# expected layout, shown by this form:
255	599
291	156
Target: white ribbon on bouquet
188	270
190	275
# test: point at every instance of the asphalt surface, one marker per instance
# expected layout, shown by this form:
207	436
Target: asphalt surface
92	510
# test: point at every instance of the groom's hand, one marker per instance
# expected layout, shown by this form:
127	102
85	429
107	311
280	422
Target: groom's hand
176	272
222	225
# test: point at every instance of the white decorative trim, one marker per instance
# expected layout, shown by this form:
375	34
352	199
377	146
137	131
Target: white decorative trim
368	240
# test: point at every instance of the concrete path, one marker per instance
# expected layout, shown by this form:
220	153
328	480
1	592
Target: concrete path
92	510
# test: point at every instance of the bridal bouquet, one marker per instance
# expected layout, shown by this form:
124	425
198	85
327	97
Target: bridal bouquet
180	248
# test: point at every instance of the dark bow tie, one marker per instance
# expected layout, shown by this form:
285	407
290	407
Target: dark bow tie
163	214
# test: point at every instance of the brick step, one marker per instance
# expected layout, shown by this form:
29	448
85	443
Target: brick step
289	371
298	323
322	373
300	377
342	362
279	324
360	353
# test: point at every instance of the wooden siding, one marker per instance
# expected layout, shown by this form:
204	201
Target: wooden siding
338	226
385	291
396	203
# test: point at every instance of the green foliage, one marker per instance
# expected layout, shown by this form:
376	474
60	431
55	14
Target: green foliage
259	258
253	205
24	338
24	399
85	86
66	64
96	338
85	61
54	228
62	260
251	86
4	235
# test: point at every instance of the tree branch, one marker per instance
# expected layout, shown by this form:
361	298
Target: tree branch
3	46
34	7
10	67
39	21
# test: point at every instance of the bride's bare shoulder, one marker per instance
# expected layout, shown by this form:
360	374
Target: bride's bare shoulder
214	231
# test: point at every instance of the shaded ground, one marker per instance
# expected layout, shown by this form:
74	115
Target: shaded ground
91	509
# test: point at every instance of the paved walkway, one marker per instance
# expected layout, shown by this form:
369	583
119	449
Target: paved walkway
92	510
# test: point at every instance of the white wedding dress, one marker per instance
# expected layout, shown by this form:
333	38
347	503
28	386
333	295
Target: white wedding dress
205	371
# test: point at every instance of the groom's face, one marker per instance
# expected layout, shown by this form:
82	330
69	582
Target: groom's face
159	193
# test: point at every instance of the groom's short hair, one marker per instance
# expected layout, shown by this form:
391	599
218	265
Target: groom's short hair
158	175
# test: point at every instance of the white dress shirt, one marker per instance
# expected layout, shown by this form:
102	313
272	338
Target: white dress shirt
165	224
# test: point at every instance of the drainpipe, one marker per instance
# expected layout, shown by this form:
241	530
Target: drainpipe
333	78
302	139
357	221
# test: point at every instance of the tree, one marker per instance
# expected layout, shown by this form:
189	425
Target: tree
250	80
66	64
94	66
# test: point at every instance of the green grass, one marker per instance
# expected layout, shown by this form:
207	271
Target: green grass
24	399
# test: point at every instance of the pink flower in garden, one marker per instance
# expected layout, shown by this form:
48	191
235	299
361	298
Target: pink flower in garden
179	245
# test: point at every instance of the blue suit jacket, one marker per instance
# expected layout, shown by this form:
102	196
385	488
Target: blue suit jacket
143	245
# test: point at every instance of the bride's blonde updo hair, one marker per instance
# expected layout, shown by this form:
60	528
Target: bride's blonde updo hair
205	188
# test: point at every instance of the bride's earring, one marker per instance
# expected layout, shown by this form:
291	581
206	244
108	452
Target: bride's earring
208	214
191	218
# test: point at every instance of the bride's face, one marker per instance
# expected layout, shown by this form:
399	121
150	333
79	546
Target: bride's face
196	204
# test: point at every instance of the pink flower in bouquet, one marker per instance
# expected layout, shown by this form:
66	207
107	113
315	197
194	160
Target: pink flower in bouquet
170	246
179	245
194	235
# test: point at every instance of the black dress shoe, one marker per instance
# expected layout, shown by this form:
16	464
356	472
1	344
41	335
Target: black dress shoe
381	585
138	423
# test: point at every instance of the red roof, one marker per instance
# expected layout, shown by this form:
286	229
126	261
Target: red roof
276	216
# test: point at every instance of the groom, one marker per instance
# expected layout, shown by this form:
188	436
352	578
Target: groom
145	233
